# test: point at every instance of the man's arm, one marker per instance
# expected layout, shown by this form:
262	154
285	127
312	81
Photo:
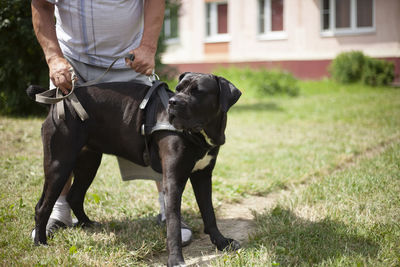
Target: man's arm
44	26
153	20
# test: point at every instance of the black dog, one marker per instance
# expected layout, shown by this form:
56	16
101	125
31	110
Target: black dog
198	112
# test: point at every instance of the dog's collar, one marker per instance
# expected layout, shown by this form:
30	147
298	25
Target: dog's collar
207	138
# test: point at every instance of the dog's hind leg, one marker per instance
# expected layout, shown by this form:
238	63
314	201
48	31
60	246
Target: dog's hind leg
61	145
56	176
84	172
202	186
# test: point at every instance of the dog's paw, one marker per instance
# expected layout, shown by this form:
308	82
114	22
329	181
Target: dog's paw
176	263
86	224
227	244
36	241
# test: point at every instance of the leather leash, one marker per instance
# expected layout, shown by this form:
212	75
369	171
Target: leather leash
47	97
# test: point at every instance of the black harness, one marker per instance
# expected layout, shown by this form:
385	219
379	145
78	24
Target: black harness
150	105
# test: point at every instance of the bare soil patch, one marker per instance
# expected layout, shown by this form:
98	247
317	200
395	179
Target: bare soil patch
234	221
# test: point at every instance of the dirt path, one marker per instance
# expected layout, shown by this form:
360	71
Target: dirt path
234	221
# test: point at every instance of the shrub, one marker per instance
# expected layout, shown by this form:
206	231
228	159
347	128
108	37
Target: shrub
21	59
377	72
347	67
354	66
279	82
261	82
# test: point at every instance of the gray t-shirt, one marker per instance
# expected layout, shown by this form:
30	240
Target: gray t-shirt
95	32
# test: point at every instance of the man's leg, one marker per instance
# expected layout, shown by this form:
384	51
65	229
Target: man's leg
61	214
161	218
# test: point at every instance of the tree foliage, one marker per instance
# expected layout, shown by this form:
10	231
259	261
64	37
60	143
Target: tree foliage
21	59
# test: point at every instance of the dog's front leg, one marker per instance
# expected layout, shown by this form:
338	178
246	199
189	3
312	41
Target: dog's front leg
176	170
173	190
202	187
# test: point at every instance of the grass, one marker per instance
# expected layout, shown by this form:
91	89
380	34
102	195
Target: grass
347	217
279	140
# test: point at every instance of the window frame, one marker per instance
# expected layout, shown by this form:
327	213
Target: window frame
167	26
353	29
214	36
268	34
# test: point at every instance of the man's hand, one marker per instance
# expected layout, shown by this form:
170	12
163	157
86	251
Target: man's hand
43	24
144	60
60	73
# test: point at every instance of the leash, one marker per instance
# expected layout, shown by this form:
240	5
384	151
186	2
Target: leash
47	97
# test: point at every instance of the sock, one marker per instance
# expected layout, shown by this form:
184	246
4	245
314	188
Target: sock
162	205
186	233
62	211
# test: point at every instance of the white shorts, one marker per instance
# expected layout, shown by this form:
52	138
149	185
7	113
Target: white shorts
86	72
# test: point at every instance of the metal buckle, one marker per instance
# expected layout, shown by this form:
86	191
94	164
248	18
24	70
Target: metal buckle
142	130
74	77
154	77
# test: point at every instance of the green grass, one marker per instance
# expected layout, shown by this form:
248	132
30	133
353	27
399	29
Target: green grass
276	141
272	143
349	218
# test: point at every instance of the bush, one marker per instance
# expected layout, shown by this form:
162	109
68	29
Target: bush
354	66
377	72
347	67
261	82
21	59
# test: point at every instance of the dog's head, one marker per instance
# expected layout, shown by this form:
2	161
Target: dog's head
202	100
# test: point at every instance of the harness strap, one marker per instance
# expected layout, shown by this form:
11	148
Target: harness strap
161	126
156	85
164	97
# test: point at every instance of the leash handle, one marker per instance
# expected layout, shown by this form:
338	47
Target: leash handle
131	57
47	96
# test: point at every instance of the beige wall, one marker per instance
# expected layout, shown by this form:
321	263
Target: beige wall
304	40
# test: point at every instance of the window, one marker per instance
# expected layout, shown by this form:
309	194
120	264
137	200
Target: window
217	22
347	16
170	27
271	19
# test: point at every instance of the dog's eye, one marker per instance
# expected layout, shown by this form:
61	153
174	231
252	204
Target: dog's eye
178	88
194	90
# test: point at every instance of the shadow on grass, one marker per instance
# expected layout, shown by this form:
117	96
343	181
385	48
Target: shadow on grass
133	233
259	106
145	240
297	241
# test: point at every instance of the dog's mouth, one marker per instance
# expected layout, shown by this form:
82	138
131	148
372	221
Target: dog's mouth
173	118
182	122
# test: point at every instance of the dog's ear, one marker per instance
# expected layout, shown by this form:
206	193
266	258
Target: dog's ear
228	95
182	75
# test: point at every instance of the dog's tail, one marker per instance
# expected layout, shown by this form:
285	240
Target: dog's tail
33	90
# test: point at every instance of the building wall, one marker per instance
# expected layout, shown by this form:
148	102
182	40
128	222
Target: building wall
305	51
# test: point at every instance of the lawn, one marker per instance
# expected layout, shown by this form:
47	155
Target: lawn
336	147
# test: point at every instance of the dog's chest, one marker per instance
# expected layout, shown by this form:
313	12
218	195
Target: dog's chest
203	162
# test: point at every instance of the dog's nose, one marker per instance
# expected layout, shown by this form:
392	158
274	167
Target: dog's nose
173	101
